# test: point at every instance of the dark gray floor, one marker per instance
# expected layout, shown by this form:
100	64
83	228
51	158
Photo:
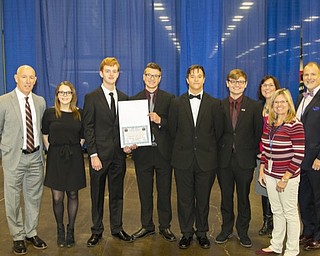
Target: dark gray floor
152	245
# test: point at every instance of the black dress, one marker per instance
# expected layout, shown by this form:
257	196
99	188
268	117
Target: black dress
65	166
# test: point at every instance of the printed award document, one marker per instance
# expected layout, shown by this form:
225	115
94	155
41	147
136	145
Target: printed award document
134	123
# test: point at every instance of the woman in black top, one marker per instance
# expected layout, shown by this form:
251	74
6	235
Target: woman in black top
63	138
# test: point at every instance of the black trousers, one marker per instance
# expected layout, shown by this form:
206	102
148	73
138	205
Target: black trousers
309	202
159	168
229	178
115	171
193	191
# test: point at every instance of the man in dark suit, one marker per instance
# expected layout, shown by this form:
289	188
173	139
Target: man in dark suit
308	112
239	148
101	129
196	125
155	159
22	158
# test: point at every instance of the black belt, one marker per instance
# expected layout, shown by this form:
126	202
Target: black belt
25	151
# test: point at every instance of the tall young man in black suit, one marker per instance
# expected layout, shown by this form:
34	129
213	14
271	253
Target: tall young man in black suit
196	124
239	147
101	129
308	112
155	159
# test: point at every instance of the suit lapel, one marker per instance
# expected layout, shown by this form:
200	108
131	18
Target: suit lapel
202	108
242	111
315	99
16	107
187	107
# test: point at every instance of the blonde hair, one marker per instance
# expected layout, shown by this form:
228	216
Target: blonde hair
109	61
73	107
291	115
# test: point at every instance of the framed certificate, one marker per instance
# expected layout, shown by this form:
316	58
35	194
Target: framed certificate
134	123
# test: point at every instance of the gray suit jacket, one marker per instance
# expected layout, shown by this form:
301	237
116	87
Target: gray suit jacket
11	127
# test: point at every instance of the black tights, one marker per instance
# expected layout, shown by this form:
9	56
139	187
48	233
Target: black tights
58	206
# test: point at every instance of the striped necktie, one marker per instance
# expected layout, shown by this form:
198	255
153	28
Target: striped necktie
29	125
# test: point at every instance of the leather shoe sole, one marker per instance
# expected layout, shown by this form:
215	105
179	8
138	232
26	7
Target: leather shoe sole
37	242
122	235
142	233
167	234
313	245
19	247
94	239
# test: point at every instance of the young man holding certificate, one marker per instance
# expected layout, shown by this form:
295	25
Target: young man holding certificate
155	159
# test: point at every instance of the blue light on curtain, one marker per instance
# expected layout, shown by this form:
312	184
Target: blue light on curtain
19	40
243	42
283	36
74	36
311	30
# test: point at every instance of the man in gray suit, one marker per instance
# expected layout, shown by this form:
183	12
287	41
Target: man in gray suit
22	160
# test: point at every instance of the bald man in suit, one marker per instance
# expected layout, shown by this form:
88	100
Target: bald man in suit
22	165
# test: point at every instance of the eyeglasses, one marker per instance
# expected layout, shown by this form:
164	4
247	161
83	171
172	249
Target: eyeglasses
62	93
240	82
280	102
152	76
267	85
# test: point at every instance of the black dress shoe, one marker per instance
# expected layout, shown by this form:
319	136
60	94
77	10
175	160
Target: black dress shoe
222	238
305	239
167	234
142	232
37	242
185	242
94	239
122	235
312	245
19	247
204	242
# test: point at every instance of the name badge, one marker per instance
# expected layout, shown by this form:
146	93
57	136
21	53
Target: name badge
270	162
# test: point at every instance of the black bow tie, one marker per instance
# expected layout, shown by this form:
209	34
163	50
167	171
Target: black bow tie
191	96
308	93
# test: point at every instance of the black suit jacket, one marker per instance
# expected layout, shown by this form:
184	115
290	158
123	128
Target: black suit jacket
246	136
161	132
100	131
311	123
201	141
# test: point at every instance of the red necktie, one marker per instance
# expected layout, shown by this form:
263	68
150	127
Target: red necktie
234	114
29	125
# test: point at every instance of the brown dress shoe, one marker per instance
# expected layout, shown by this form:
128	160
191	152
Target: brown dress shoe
303	239
312	245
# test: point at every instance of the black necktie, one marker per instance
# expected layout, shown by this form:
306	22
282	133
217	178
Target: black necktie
29	125
191	96
113	106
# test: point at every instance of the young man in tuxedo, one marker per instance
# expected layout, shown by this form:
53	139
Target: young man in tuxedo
238	151
155	159
101	130
196	125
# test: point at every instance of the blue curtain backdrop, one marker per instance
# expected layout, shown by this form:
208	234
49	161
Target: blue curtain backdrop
66	40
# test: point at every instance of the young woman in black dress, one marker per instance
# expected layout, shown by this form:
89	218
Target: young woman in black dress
65	173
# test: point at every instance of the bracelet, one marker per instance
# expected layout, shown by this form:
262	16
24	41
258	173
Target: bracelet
284	180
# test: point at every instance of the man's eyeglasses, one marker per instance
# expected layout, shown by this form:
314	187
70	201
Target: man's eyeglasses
234	82
62	93
152	76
